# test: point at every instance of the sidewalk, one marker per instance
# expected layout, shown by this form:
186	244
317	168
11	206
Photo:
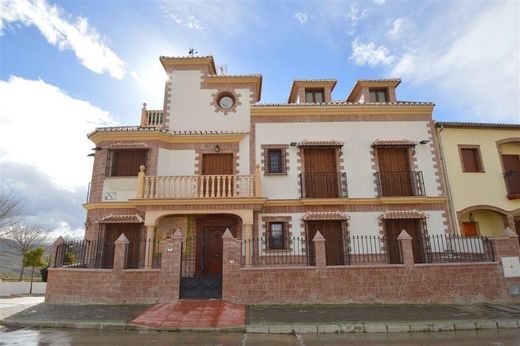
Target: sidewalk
285	318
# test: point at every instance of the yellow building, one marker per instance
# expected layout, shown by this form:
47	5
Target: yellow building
482	164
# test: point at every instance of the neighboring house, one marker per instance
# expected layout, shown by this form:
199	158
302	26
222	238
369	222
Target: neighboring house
274	174
483	172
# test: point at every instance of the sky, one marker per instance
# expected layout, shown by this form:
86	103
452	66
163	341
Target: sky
67	67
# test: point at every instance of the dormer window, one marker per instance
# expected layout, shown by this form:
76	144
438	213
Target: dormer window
314	95
378	95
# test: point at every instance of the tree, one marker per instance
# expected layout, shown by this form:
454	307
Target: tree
22	238
10	208
33	258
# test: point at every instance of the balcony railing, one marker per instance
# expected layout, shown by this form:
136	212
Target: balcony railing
323	185
512	179
151	118
408	183
199	186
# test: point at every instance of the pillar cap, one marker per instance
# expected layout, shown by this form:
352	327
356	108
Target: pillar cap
59	241
227	234
318	237
177	234
508	232
122	239
404	236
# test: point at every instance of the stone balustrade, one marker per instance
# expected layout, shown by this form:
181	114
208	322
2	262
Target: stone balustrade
151	118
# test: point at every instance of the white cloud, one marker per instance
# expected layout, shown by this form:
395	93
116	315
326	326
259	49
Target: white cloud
478	68
399	26
88	45
356	14
369	54
186	21
379	2
302	17
44	127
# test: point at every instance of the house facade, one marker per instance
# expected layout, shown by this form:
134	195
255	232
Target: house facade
483	168
218	195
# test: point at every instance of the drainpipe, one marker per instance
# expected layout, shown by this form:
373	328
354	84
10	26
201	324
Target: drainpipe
447	181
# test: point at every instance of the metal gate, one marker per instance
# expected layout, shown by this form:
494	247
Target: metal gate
197	281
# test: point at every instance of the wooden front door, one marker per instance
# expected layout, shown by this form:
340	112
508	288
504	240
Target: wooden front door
393	228
217	165
320	178
133	233
512	173
212	249
469	229
395	178
332	232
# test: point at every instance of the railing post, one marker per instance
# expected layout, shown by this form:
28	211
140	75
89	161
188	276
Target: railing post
144	115
140	182
148	250
55	262
320	255
248	239
258	183
406	248
121	245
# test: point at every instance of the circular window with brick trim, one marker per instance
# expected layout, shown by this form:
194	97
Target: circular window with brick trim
225	101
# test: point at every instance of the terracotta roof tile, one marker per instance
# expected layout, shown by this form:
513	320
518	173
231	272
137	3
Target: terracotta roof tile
349	104
393	142
314	216
404	214
127	146
308	143
462	124
161	130
121	219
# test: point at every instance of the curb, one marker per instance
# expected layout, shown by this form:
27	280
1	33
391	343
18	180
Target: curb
383	327
362	327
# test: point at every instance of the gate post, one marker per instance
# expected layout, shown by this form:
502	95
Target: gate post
121	245
171	252
320	255
230	268
405	240
55	262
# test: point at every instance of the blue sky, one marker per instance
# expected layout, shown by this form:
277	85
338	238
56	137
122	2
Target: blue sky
69	66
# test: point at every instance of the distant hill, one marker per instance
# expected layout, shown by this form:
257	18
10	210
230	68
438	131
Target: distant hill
10	263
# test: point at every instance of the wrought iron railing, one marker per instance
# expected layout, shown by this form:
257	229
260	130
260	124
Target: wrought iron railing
512	179
371	249
458	248
409	183
100	254
323	185
84	254
275	251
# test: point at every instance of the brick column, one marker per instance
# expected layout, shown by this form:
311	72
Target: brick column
171	253
56	262
506	245
121	244
148	250
405	240
230	268
320	255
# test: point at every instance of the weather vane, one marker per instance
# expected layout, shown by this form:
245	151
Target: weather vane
192	52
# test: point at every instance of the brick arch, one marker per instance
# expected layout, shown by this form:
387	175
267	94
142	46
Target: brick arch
464	211
508	140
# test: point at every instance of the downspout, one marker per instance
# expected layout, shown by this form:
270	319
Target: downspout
447	182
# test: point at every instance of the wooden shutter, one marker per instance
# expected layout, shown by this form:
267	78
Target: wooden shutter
470	160
395	176
320	176
332	232
125	163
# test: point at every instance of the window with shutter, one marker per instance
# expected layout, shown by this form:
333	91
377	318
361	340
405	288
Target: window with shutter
471	161
125	163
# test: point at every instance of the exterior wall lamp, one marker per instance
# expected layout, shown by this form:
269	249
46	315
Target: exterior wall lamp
425	141
293	144
217	148
471	217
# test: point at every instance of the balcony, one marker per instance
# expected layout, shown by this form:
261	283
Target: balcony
512	179
323	185
393	184
198	186
151	118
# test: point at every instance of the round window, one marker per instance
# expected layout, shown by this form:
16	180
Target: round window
226	100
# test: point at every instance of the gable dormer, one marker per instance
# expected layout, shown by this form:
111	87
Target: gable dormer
312	91
374	90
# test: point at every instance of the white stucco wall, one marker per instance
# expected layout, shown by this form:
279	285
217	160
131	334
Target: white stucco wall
366	223
121	188
175	162
358	138
435	222
191	109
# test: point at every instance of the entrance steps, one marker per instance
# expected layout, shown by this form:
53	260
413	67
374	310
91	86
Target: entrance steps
193	314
